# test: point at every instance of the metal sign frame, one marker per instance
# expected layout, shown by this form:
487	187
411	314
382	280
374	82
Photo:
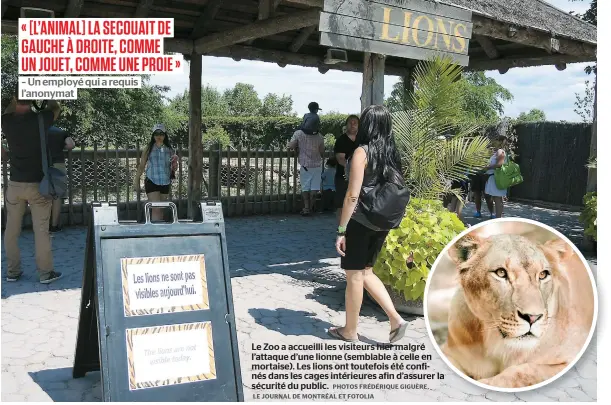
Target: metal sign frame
102	335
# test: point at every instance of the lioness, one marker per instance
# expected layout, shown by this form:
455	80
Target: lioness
522	313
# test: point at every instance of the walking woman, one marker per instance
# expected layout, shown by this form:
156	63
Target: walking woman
343	149
493	194
376	160
160	162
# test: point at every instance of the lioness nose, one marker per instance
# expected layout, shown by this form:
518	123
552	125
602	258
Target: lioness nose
530	318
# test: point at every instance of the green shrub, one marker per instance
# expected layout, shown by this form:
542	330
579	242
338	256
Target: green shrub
329	141
216	134
588	215
425	230
261	132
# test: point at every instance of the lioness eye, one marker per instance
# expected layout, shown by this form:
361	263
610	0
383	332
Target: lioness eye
502	273
543	275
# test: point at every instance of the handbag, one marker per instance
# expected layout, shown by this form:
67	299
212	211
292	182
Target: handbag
54	182
507	175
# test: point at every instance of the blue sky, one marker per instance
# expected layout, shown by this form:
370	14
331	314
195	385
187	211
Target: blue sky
540	87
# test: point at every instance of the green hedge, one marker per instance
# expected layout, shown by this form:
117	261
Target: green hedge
257	132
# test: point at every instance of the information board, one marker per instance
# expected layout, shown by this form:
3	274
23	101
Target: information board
156	310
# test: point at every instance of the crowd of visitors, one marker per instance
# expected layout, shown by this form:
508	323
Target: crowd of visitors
365	167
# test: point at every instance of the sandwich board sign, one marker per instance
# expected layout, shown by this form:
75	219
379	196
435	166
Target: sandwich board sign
414	29
157	314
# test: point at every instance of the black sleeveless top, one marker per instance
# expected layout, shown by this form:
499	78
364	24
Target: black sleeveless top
369	180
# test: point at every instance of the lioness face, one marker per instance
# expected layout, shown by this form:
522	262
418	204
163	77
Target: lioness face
508	283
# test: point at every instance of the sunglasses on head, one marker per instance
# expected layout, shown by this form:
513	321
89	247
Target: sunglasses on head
158	133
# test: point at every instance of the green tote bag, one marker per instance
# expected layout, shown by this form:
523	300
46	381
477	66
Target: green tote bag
507	175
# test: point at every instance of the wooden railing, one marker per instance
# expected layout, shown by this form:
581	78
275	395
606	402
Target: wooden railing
246	181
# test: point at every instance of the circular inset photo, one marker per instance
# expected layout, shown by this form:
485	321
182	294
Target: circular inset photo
510	304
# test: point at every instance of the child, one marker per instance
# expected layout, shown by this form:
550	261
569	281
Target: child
328	184
311	121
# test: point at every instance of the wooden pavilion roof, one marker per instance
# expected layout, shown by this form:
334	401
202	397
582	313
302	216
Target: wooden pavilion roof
506	33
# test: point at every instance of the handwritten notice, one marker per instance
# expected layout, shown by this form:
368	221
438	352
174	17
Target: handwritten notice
170	354
155	285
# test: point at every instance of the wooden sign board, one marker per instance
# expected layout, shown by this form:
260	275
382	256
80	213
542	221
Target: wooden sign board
157	311
414	29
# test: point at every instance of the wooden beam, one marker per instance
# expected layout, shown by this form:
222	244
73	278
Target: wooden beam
538	39
4	7
208	15
196	153
184	46
267	9
302	38
289	58
143	8
523	61
309	3
258	29
487	46
73	9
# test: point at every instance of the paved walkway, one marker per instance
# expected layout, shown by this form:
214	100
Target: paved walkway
287	288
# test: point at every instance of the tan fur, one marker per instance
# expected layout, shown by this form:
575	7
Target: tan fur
486	334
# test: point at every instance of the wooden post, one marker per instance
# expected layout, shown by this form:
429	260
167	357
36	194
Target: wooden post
592	172
587	243
373	80
214	185
196	150
408	89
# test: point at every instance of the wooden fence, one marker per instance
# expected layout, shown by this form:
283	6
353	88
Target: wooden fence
245	181
553	158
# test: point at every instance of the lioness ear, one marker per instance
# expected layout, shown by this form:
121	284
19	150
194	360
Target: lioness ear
559	247
464	248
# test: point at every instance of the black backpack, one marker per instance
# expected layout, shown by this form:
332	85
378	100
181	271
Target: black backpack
384	204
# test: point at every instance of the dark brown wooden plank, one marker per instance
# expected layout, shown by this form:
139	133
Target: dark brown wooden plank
83	185
138	205
288	171
247	183
70	189
271	180
256	207
295	192
127	182
95	170
228	173
106	172
117	174
240	206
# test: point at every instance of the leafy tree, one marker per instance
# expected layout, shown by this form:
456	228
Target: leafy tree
10	67
482	97
584	105
214	104
277	106
534	115
243	100
589	16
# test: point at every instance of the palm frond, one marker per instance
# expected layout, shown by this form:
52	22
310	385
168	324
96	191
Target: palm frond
430	162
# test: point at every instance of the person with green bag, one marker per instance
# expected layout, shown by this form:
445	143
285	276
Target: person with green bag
496	161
